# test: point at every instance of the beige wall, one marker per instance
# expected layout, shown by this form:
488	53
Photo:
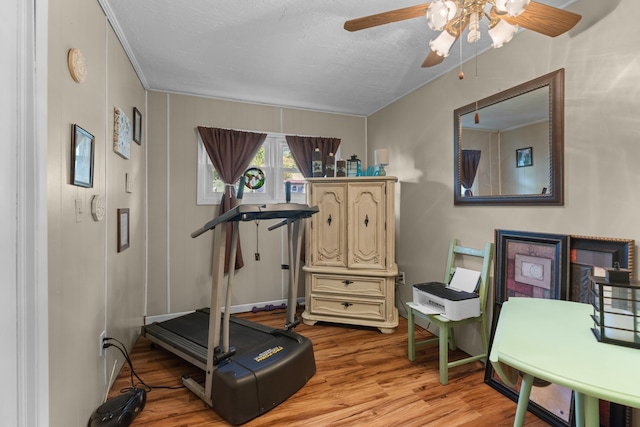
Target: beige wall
601	145
91	286
180	277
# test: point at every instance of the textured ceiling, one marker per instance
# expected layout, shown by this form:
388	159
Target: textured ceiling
288	52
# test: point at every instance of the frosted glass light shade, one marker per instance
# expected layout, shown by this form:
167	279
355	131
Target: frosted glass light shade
442	44
502	33
439	13
512	7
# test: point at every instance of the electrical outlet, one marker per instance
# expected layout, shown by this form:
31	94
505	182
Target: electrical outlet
401	278
102	351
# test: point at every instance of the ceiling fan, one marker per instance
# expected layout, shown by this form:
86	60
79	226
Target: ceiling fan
453	16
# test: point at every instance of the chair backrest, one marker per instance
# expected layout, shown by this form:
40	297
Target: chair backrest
486	254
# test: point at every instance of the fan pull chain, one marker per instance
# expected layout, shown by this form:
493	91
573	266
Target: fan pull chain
476	118
257	255
461	73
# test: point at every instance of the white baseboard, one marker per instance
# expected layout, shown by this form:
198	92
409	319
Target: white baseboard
242	308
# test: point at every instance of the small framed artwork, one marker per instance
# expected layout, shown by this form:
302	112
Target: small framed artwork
82	153
137	126
524	157
123	229
532	265
121	134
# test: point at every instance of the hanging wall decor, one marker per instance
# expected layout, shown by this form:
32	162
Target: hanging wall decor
121	134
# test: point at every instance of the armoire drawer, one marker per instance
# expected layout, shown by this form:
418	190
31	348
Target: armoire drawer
359	308
363	286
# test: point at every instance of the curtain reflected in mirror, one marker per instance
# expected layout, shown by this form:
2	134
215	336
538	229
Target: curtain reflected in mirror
511	153
470	162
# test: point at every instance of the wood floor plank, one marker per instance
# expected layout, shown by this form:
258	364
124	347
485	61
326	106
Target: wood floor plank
363	377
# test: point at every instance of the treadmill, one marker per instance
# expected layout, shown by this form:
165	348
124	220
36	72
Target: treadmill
250	368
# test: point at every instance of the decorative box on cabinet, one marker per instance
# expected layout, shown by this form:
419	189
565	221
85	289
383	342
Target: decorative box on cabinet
350	267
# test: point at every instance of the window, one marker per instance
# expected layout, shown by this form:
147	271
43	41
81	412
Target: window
276	161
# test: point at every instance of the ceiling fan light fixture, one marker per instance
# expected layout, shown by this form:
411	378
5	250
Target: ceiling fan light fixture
439	13
511	7
442	43
502	33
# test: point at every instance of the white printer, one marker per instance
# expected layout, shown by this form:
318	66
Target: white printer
455	301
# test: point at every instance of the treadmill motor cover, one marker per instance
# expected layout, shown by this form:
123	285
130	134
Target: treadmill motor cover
251	384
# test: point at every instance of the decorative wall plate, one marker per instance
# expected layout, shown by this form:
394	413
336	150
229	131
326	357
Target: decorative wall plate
97	207
254	178
77	65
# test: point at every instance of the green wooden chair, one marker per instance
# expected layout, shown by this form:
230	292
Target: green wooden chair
446	336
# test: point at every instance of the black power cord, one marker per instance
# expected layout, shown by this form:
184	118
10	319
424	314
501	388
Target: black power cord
140	384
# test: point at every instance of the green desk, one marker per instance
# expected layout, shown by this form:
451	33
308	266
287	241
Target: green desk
552	340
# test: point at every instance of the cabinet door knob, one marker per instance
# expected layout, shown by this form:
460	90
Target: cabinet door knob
346	304
329	220
347	282
366	220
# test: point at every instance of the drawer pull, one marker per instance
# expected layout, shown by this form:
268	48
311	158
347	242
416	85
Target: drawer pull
366	220
329	220
346	304
347	282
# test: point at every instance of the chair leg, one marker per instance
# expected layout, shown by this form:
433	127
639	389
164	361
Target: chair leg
444	355
411	337
485	339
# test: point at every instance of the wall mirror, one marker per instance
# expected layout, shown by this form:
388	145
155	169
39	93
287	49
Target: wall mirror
508	148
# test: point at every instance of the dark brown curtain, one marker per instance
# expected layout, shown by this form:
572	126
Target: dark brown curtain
302	147
470	161
231	152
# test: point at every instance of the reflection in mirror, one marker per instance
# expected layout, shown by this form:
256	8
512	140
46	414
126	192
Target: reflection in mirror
509	147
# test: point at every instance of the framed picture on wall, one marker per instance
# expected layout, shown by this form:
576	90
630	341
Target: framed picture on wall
82	154
121	134
137	126
123	229
524	157
532	265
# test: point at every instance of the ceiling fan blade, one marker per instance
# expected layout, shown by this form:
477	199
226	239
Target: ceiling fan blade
543	19
386	17
433	58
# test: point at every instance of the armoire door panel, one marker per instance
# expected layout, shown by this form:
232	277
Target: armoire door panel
367	246
329	226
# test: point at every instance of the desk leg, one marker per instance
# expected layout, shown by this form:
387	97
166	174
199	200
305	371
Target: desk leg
411	337
523	400
579	410
591	411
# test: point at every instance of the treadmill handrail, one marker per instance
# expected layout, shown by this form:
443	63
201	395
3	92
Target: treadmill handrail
259	212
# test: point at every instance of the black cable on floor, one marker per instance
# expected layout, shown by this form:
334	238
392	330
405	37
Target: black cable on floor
140	384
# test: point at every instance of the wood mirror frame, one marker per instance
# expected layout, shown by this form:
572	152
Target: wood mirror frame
553	194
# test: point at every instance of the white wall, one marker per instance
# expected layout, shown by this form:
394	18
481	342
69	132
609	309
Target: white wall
23	230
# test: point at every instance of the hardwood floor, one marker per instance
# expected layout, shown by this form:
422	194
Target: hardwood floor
363	377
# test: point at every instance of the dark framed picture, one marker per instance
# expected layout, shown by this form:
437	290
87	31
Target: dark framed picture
533	265
82	154
524	157
123	229
137	126
590	256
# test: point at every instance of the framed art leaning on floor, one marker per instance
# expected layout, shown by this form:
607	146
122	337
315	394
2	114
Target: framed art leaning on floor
532	265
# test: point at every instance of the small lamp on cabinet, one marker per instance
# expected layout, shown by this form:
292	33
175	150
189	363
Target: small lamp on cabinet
381	159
